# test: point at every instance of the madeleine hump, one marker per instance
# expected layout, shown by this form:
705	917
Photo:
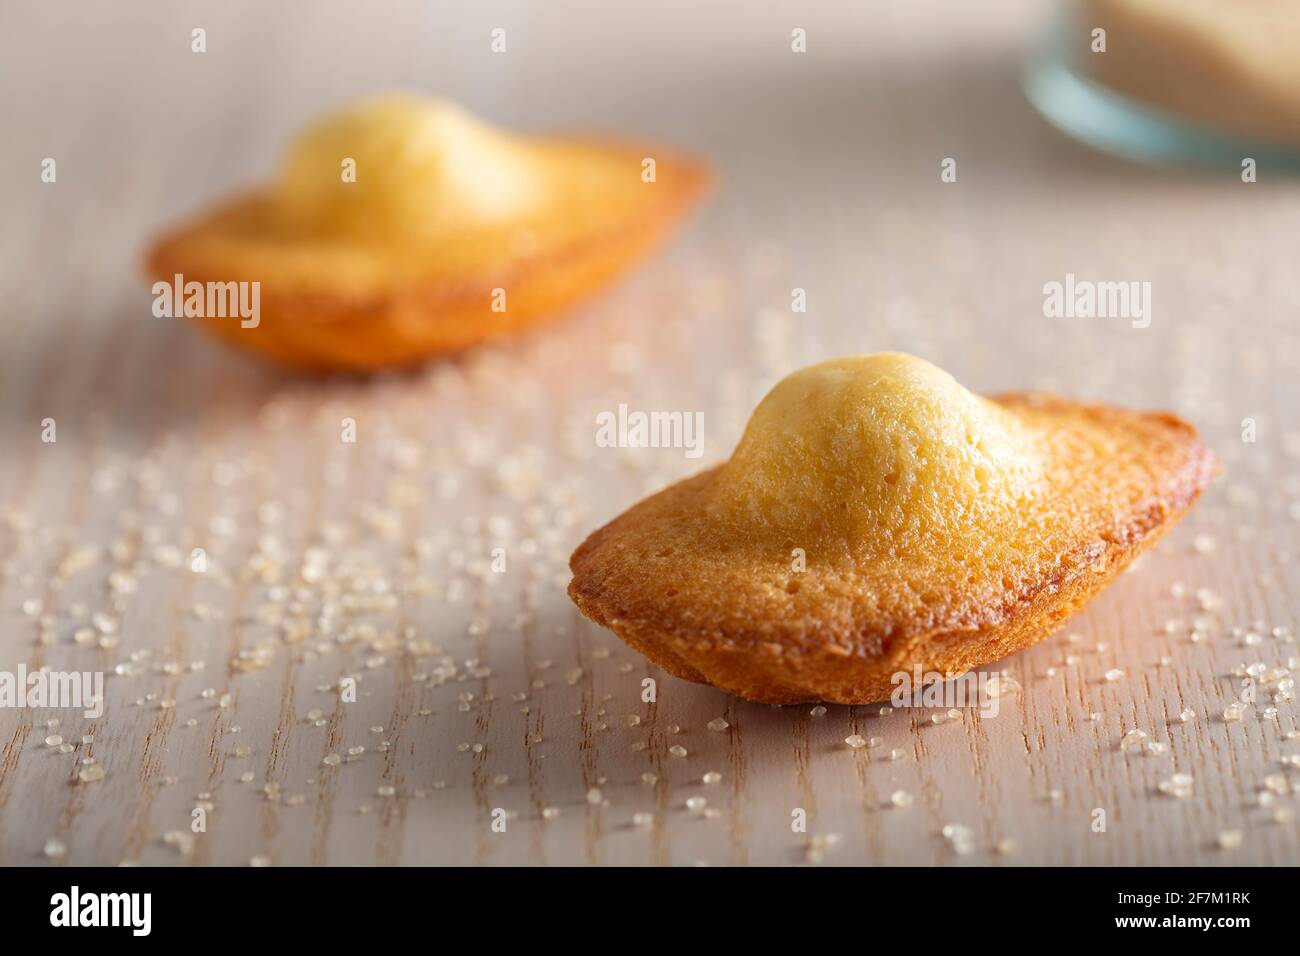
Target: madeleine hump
877	517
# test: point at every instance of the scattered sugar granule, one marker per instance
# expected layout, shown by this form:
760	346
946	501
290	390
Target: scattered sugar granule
856	741
91	774
594	796
183	842
712	777
818	844
1277	783
1114	674
695	804
677	750
959	837
718	725
55	848
642	819
1187	715
900	798
1133	740
1179	785
1230	839
1000	685
818	711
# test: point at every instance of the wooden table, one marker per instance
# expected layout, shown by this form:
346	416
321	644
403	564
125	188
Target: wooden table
480	691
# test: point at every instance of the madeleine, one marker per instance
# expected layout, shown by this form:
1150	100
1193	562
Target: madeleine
877	517
404	228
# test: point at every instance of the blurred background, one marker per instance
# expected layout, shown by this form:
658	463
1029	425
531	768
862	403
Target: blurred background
828	163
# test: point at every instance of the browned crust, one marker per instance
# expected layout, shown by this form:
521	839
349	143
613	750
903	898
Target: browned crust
409	324
851	659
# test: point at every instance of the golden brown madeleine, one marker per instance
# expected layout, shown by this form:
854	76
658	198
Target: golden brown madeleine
934	528
404	228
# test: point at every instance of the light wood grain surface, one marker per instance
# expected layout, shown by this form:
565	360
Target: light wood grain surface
481	690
